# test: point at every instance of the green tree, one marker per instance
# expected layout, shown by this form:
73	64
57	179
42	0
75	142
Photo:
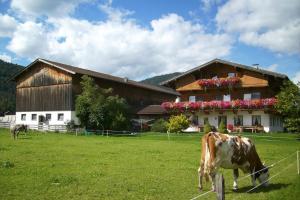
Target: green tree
288	105
98	108
160	125
116	109
177	123
222	127
207	127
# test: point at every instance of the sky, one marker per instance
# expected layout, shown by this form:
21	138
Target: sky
140	39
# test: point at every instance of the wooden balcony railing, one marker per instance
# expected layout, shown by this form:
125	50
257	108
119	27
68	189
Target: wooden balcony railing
220	105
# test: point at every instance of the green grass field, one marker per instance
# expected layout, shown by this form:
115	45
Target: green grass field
62	166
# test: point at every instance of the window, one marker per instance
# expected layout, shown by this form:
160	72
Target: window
33	117
231	74
23	117
255	95
199	98
256	120
60	117
276	121
205	120
226	97
219	97
222	118
48	117
238	120
192	99
214	77
247	96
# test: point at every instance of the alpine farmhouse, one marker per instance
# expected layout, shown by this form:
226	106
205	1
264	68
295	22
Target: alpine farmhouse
243	97
46	92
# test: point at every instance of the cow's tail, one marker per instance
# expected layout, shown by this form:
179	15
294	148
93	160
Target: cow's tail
208	158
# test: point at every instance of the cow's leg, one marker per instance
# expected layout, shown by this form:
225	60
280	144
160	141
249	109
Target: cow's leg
253	180
235	177
213	181
17	134
200	175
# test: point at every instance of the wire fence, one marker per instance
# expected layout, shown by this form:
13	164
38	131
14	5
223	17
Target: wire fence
255	187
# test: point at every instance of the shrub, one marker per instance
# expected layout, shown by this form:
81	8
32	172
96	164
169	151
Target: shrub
159	125
207	127
70	126
178	123
222	127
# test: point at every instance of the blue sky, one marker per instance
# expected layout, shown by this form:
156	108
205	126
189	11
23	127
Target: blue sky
139	39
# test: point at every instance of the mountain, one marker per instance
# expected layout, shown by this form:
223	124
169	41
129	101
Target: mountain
155	80
8	88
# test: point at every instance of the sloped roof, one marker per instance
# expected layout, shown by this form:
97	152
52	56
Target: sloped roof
76	70
152	110
259	70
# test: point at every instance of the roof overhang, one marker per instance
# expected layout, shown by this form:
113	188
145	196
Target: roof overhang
33	63
236	65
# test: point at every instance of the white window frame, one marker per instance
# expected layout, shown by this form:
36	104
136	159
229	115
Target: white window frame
192	98
23	117
58	117
228	96
32	117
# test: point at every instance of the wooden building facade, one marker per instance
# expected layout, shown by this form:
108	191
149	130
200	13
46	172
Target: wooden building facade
46	92
221	84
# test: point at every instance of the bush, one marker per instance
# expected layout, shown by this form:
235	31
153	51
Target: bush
222	127
70	126
159	125
207	127
178	123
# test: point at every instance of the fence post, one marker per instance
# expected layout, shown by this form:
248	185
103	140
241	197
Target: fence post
220	188
298	168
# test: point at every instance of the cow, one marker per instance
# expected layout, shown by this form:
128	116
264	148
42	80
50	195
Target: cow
16	129
230	152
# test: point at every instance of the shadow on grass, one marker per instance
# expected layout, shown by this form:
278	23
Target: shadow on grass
272	186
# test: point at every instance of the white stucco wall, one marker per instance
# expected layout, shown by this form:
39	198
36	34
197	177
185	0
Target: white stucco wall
68	115
247	119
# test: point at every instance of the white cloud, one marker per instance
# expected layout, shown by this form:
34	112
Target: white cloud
272	24
8	25
208	4
54	8
296	78
121	47
5	57
114	14
272	67
29	40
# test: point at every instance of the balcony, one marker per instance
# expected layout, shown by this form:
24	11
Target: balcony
219	82
206	106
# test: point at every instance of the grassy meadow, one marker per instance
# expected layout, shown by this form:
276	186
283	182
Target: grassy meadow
62	166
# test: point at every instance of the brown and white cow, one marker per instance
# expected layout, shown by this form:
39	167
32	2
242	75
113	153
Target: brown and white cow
16	129
230	152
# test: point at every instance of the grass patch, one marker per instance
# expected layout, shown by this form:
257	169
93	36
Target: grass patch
150	166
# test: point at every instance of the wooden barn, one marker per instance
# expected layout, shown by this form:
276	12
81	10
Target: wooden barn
46	92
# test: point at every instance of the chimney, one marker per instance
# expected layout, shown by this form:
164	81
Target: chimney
125	79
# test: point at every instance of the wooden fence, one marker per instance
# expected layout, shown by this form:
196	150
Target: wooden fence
52	128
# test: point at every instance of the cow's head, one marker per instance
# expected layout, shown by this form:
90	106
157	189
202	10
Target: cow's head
263	176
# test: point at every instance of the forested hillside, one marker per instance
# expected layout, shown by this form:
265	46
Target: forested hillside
155	80
7	88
